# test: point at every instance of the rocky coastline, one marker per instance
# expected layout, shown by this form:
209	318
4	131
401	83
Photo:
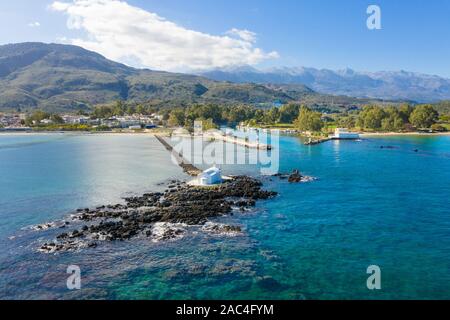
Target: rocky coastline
159	216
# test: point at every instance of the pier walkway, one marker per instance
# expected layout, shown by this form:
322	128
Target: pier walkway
239	141
187	167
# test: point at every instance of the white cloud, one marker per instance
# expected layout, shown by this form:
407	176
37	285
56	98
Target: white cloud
34	24
245	35
126	33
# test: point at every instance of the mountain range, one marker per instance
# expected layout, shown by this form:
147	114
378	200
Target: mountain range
61	78
388	85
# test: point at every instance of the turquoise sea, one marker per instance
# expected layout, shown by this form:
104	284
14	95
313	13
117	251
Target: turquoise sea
369	206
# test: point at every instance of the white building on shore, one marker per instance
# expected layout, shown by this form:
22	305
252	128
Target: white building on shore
210	177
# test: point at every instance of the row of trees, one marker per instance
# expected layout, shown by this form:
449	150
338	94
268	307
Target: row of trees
424	116
395	119
302	117
232	114
212	115
121	108
305	119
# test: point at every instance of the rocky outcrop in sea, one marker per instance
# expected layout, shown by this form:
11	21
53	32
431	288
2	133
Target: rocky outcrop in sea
294	177
160	216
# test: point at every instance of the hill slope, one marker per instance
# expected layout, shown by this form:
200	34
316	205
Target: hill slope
65	78
62	77
379	85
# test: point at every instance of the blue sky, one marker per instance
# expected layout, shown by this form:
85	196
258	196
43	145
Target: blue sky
415	34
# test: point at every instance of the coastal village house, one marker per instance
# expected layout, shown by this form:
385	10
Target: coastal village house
210	176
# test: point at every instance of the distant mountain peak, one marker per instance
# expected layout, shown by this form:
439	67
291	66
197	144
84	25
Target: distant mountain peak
386	85
346	72
234	69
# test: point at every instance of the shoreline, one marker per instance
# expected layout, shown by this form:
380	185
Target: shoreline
386	134
35	133
153	134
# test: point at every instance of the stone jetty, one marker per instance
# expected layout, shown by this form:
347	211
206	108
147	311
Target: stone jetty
187	167
312	142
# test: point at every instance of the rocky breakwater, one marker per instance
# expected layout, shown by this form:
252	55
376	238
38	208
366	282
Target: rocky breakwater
160	216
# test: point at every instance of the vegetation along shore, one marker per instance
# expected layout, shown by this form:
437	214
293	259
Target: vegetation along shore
123	117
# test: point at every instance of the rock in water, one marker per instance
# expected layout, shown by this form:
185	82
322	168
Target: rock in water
222	229
295	177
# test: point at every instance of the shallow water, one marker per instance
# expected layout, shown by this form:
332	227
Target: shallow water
387	207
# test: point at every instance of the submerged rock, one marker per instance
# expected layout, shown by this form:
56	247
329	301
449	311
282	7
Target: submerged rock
222	229
163	231
71	245
269	283
44	226
295	177
244	268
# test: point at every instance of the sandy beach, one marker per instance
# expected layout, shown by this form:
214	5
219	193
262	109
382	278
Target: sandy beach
31	133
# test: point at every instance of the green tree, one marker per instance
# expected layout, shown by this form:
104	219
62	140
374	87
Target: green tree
371	117
140	109
176	118
289	112
438	127
165	115
56	119
37	117
237	114
424	116
131	110
259	116
272	116
252	122
102	112
309	120
347	121
444	117
82	112
120	108
207	124
392	122
405	111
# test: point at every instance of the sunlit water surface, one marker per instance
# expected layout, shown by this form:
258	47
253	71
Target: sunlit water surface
369	206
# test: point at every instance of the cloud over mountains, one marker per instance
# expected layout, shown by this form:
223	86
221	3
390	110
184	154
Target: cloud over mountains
126	33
